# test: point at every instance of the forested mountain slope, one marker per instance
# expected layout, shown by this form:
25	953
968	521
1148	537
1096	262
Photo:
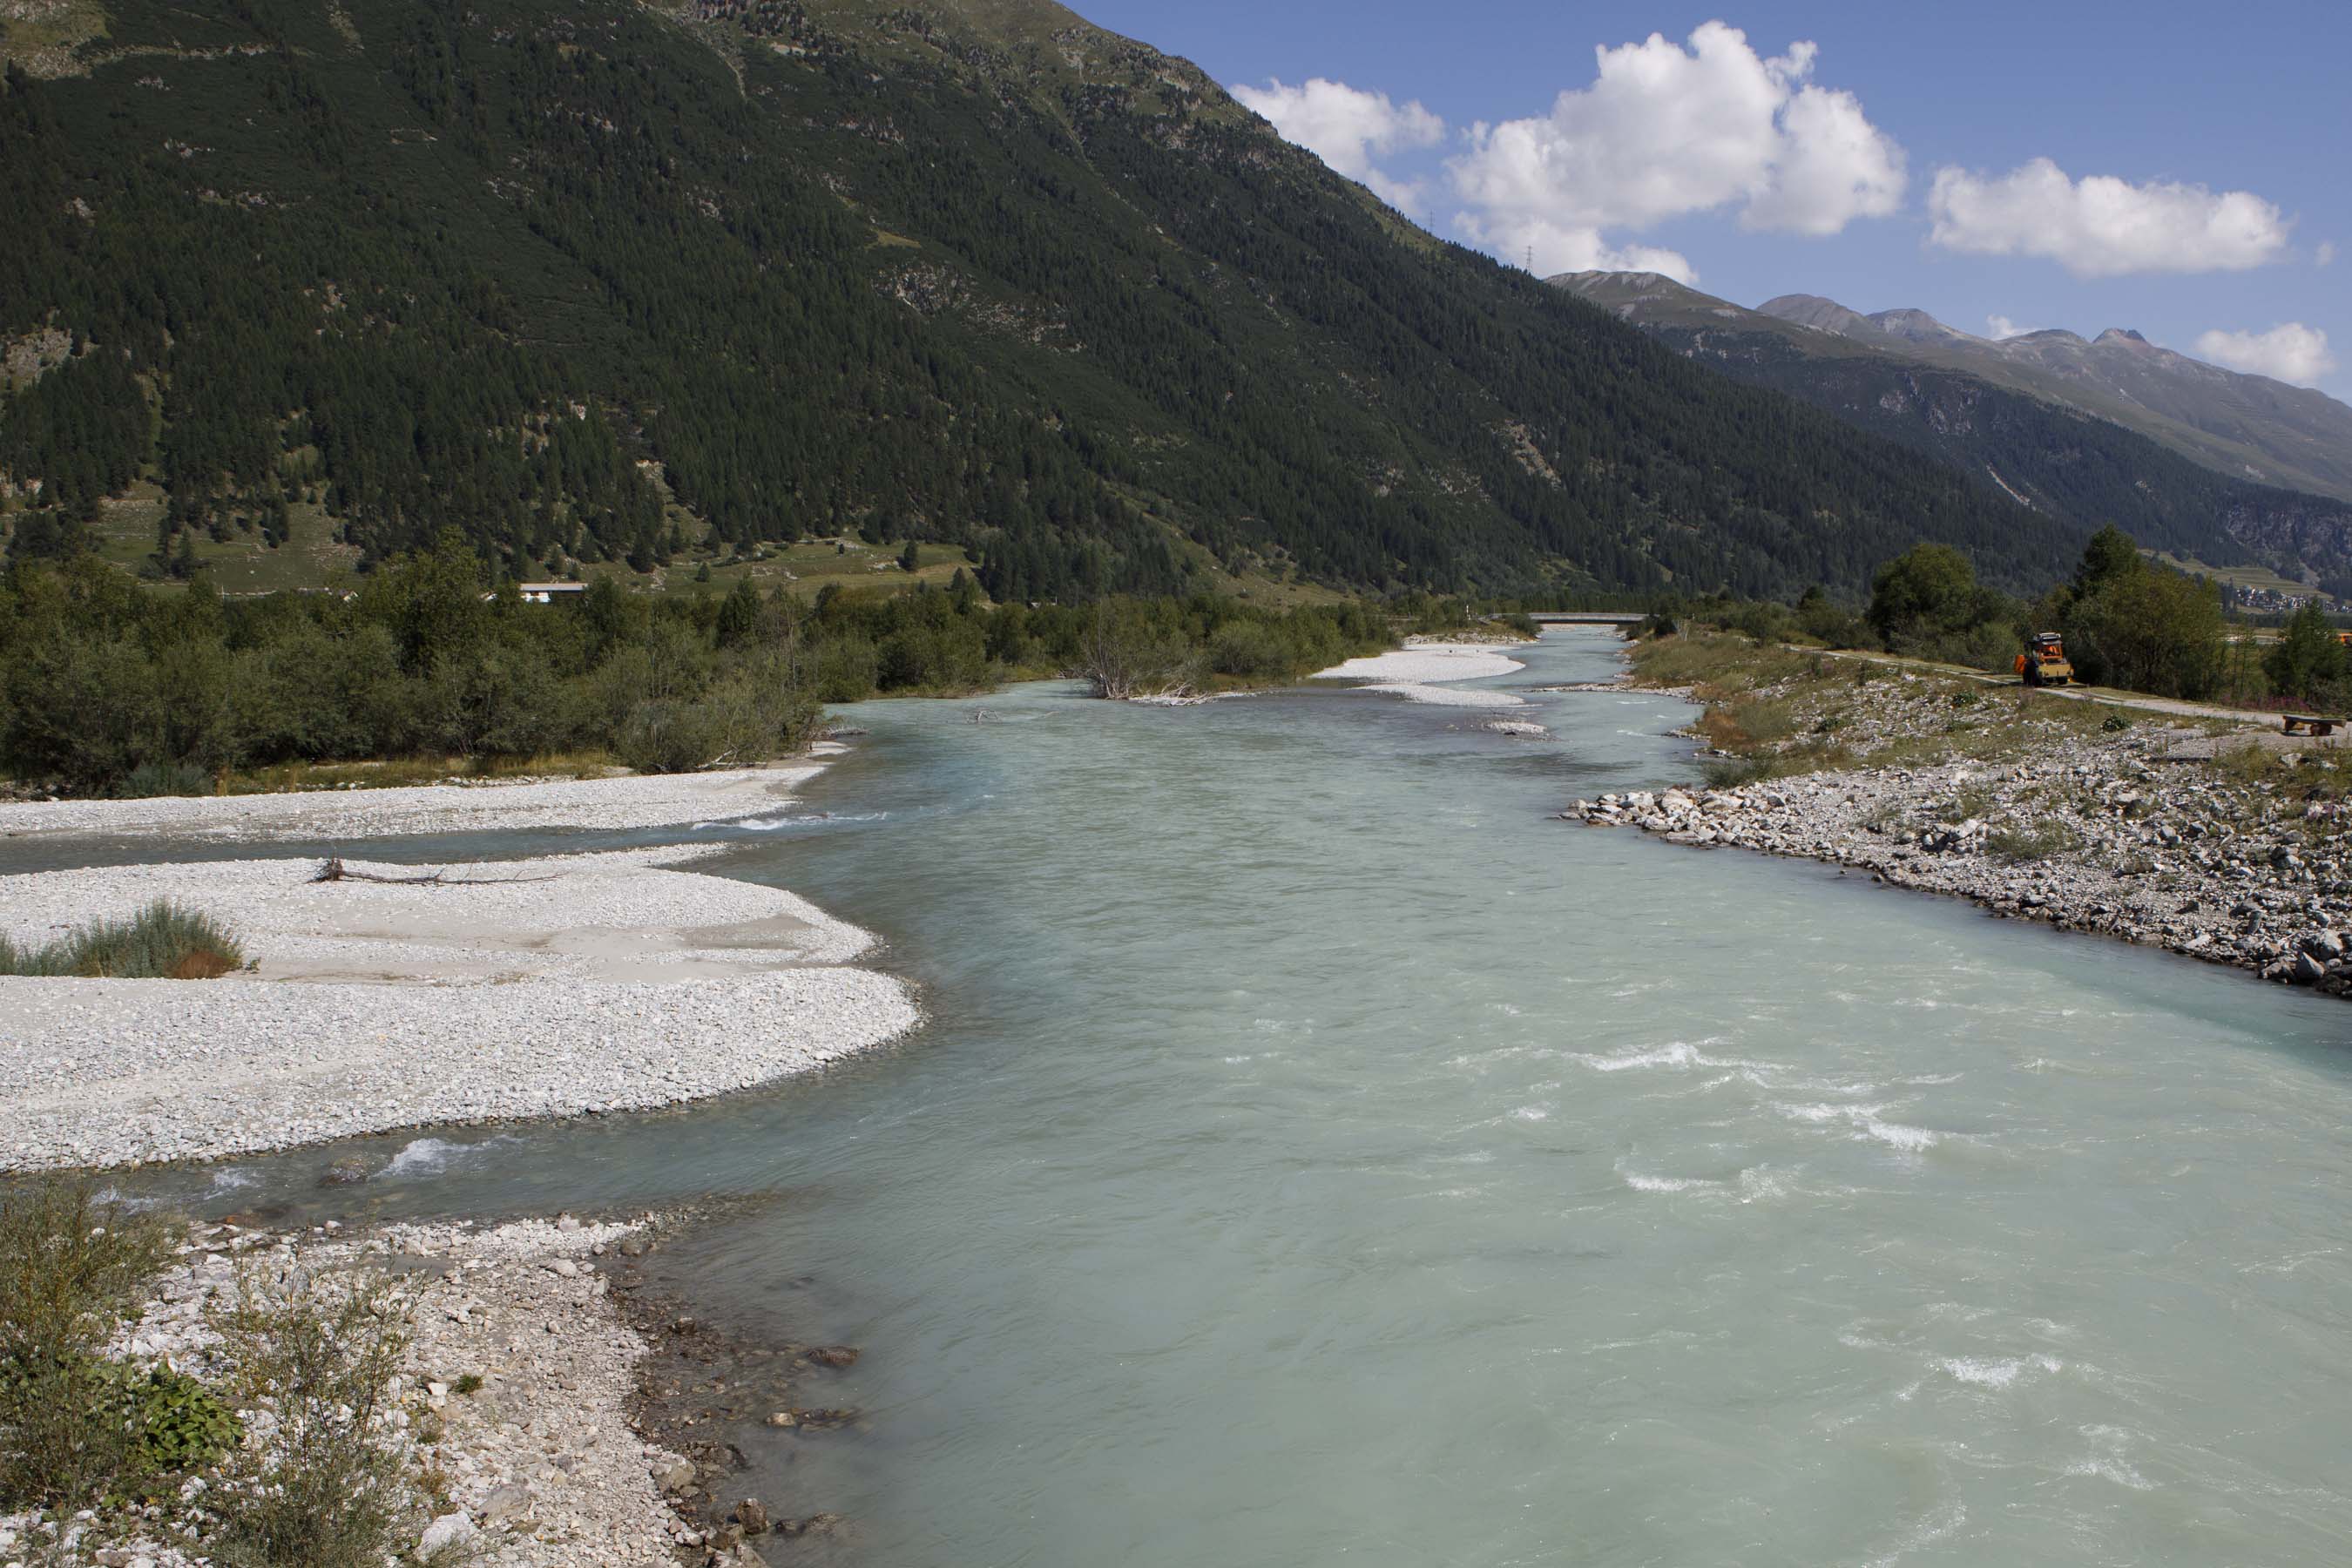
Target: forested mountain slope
596	280
2058	457
2247	427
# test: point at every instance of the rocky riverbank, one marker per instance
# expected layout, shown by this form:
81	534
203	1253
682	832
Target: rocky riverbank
2220	845
512	1412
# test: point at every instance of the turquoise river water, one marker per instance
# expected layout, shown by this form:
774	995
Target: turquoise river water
1318	1153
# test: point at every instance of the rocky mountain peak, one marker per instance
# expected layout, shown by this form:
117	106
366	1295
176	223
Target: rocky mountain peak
1813	310
1917	326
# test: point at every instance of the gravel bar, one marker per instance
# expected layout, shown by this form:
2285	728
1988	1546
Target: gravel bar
568	986
659	800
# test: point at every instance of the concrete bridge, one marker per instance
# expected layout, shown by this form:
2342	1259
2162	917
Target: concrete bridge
1588	617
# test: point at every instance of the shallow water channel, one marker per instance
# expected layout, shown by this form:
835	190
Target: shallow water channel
1318	1154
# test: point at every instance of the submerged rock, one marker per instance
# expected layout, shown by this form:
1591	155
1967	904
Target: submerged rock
349	1171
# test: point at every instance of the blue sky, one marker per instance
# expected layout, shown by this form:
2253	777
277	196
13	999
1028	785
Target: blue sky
2198	176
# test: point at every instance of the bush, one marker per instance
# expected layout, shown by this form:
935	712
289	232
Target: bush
1831	624
173	1424
1248	651
149	780
163	942
1126	655
2019	845
2149	630
2306	663
324	1488
846	670
71	1269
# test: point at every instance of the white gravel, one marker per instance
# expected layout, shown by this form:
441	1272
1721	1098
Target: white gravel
584	916
1444	696
1420	663
614	984
664	800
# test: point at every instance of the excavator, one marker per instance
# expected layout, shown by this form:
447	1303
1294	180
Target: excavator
2043	662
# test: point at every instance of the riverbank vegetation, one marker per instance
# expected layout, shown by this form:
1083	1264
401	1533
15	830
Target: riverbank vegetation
1776	711
2194	834
271	1453
2127	622
162	941
110	687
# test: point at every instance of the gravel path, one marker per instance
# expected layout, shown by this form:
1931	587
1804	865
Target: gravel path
612	984
663	800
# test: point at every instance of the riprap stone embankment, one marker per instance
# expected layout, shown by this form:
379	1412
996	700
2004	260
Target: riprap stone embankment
2141	833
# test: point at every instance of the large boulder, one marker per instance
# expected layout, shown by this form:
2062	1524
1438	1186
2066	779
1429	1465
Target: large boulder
451	1533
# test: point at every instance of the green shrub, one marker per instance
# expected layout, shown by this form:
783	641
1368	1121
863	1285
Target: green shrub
1246	650
163	942
149	780
71	1268
326	1488
2019	844
175	1423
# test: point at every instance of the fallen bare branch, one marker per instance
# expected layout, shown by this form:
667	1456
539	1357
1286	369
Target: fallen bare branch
332	870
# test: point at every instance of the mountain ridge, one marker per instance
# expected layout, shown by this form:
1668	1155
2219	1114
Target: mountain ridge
594	282
2057	456
2250	427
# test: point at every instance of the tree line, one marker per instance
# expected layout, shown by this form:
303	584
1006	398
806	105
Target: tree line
111	687
2126	621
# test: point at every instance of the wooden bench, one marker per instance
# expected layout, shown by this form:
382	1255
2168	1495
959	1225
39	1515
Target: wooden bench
2309	724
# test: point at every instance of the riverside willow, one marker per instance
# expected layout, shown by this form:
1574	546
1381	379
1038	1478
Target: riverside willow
110	687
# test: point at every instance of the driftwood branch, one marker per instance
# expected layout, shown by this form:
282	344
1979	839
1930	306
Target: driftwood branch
333	870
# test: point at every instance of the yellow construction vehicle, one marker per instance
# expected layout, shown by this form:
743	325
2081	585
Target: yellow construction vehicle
2043	662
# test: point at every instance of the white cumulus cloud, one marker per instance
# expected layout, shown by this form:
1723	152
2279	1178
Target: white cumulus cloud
1669	129
2326	253
1347	127
2288	351
2102	226
2001	327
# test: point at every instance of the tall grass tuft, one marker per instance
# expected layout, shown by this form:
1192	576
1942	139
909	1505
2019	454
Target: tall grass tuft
149	780
163	942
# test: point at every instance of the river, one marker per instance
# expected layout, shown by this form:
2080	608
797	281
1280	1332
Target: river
1319	1153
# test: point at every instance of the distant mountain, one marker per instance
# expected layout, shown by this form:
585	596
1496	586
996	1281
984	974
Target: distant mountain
2001	413
597	279
2248	427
